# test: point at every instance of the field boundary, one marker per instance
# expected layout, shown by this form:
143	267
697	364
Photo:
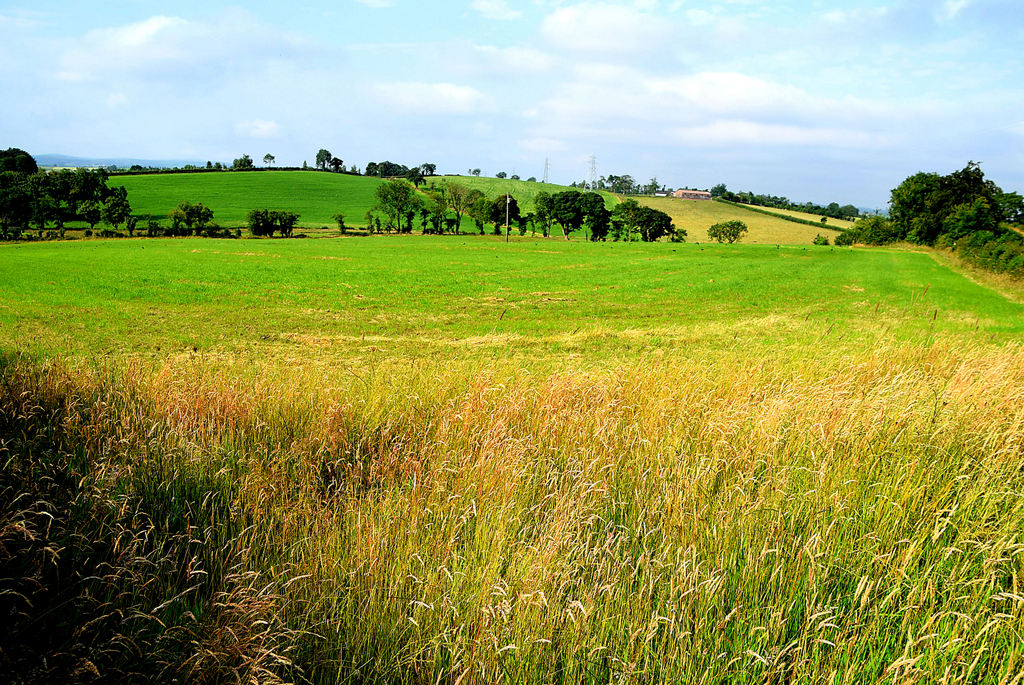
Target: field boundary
784	217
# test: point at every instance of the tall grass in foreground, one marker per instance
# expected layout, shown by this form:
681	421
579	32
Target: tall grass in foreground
856	519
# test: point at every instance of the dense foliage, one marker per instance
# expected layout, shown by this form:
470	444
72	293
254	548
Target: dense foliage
43	199
727	231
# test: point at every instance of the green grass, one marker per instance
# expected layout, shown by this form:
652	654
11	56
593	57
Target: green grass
423	295
405	459
315	196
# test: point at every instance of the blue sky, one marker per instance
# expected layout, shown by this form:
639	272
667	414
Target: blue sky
813	100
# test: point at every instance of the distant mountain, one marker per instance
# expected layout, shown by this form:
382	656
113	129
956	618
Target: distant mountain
54	160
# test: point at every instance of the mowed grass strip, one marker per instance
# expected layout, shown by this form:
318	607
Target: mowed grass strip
697	216
316	196
533	298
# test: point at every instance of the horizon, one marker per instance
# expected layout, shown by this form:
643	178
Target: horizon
811	103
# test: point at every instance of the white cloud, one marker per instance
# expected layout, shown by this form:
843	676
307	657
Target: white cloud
738	132
604	29
139	35
376	3
951	8
432	98
117	100
257	128
495	9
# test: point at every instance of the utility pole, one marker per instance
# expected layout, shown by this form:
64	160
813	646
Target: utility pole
547	168
508	201
593	172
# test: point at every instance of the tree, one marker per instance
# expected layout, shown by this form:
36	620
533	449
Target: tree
501	174
502	206
243	162
719	190
920	206
16	159
268	160
567	211
259	222
415	176
544	208
394	199
337	165
727	231
654	224
474	172
340	219
189	217
15	203
480	211
284	221
459	199
323	158
428	168
116	209
626	219
91	212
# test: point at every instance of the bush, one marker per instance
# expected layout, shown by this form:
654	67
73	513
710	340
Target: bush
263	222
877	230
727	231
820	240
847	238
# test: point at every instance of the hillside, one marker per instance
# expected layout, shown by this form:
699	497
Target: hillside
522	191
318	196
696	216
315	196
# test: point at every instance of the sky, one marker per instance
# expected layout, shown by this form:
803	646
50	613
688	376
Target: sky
816	101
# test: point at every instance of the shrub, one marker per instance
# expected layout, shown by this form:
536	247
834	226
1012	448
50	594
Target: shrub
820	240
877	230
847	238
727	231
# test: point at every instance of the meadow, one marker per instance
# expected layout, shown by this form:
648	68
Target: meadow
315	196
439	459
696	216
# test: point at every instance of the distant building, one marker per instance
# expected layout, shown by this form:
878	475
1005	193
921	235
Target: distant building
692	194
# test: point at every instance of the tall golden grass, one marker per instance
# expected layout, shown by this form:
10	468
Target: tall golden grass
855	518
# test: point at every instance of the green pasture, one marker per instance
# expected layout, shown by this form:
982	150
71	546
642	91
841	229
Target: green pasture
315	196
696	216
425	295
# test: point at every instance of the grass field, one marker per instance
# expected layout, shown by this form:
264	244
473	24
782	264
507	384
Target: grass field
414	295
696	216
441	459
316	196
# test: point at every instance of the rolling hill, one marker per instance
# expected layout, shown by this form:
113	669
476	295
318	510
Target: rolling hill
696	216
315	196
318	196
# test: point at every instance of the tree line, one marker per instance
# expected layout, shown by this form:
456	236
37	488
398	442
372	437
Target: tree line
442	209
962	211
30	198
832	210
